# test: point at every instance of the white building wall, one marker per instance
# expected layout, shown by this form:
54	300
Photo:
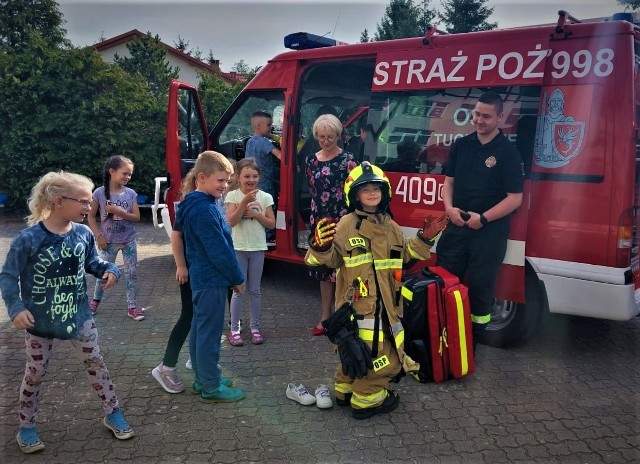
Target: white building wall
188	74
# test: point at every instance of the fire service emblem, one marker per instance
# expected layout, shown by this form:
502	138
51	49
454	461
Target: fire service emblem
559	137
490	161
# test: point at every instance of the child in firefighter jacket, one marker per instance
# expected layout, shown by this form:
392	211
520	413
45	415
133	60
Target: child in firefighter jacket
368	249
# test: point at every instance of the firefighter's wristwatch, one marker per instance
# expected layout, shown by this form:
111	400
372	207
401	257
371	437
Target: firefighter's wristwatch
483	220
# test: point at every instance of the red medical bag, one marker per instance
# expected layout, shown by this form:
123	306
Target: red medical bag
437	323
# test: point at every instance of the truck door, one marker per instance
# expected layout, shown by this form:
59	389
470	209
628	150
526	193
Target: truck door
339	87
186	138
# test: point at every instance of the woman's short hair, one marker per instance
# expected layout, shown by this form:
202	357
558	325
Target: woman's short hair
327	121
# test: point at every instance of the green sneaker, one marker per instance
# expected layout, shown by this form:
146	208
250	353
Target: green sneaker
223	394
196	387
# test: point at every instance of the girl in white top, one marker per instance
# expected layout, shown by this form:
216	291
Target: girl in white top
250	213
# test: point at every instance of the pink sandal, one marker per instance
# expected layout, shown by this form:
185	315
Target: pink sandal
235	339
256	337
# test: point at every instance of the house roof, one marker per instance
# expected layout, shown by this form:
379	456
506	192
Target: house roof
230	78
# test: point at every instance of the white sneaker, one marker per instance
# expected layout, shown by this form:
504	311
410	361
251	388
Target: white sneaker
300	394
188	364
323	397
168	379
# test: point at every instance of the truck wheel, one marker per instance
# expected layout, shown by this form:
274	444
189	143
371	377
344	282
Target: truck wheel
514	323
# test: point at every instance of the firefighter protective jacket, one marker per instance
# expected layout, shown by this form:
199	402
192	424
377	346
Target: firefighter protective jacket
364	242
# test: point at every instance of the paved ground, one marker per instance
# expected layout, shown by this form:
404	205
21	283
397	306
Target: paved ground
572	395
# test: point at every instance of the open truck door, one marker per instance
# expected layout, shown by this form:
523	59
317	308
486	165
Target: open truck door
186	138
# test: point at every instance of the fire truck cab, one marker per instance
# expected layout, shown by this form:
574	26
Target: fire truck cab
571	95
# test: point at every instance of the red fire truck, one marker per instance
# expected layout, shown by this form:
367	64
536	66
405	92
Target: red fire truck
572	106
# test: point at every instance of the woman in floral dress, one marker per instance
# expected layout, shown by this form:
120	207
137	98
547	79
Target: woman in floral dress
327	171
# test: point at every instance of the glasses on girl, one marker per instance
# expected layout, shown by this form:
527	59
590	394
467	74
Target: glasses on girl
84	203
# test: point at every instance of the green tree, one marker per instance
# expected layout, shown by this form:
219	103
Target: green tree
210	58
65	108
466	16
241	67
404	19
148	60
216	95
630	4
182	45
364	36
17	17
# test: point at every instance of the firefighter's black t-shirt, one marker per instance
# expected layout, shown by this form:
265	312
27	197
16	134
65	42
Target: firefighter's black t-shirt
483	174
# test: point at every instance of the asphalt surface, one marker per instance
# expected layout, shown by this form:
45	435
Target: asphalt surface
572	395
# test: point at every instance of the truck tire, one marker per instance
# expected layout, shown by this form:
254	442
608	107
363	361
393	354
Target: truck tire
512	323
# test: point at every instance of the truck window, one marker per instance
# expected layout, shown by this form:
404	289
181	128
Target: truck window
191	136
413	131
230	137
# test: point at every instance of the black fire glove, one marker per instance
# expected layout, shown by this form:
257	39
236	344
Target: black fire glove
355	355
343	318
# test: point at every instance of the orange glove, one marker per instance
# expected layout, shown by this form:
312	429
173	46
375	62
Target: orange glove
432	227
323	233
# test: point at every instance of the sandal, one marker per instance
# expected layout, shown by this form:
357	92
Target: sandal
235	339
256	337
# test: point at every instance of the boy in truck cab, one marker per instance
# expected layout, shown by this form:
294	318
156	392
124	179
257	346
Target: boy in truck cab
260	147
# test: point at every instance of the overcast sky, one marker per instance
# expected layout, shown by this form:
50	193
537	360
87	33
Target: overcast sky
254	31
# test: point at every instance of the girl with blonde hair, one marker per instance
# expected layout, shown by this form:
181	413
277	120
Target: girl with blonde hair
44	288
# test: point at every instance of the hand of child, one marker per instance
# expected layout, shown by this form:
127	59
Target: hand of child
323	233
110	280
249	197
24	320
238	288
102	242
250	213
182	275
114	209
432	227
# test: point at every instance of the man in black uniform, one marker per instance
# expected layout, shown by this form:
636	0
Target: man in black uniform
482	187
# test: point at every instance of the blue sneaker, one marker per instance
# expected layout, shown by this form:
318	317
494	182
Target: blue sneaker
223	394
196	387
118	425
27	438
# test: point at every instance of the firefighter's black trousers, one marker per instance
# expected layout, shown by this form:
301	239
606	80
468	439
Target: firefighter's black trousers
478	255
